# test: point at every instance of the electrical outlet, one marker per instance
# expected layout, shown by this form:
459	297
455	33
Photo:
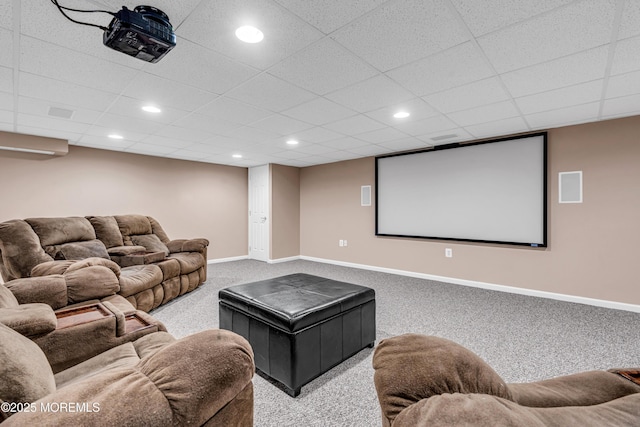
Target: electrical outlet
345	243
340	242
448	252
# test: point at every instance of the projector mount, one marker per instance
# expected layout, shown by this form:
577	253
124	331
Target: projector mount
144	32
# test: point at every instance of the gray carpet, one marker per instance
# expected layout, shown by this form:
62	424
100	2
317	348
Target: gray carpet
523	338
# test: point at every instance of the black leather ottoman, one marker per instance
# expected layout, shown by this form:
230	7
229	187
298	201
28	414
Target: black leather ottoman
300	325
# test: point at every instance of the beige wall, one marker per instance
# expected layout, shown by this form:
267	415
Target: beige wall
592	248
285	212
189	199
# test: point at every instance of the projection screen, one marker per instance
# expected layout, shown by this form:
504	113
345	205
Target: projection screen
491	191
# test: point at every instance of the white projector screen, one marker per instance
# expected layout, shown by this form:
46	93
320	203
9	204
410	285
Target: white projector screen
492	191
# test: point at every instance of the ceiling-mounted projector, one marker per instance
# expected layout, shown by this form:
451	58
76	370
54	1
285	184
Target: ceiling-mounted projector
144	32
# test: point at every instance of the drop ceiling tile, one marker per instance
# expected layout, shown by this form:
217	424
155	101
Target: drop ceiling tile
319	111
206	123
316	149
128	124
64	92
354	125
405	144
623	85
295	163
290	154
564	116
50	132
579	68
468	96
178	134
621	107
6	101
167	142
266	149
213	25
41	58
446	137
402	31
233	111
6	118
418	109
426	126
329	15
270	93
382	135
166	93
282	125
248	133
151	149
498	128
485	113
323	67
208	149
564	97
342	155
6	47
630	18
626	57
447	69
565	31
62	125
6	14
35	107
98	132
208	70
131	108
104	142
489	15
317	134
186	154
345	143
371	94
6	80
370	150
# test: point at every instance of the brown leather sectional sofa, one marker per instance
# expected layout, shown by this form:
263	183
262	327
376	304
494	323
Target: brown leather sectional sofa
129	255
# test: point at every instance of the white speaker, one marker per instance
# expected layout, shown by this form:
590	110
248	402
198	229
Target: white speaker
570	187
365	195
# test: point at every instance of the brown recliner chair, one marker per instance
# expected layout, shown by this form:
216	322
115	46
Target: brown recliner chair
429	381
202	379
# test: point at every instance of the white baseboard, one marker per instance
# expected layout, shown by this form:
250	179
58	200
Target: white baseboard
501	288
279	260
235	258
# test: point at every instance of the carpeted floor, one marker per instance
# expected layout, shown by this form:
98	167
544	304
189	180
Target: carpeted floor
523	338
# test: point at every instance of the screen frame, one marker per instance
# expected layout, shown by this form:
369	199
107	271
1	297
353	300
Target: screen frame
544	201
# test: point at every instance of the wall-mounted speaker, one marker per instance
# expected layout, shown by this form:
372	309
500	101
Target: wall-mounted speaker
570	187
365	195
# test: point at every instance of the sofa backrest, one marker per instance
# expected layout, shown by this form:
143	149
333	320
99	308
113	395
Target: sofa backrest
68	238
20	250
140	230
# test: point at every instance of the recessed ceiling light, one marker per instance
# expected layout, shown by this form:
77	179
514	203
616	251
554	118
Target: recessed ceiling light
151	109
292	142
237	156
401	115
115	136
249	34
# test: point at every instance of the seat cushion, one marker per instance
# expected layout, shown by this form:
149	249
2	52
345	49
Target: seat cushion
24	369
138	278
189	261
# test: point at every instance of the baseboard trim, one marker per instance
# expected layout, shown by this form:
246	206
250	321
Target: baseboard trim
490	286
279	260
235	258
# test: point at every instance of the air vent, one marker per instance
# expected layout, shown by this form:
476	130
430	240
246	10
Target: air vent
62	113
443	137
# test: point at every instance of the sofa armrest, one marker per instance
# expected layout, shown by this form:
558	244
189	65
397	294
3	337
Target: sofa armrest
29	319
166	388
51	290
187	245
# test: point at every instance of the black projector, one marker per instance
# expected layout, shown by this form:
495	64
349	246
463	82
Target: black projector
144	32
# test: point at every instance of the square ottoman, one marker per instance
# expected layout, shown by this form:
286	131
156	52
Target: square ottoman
300	325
